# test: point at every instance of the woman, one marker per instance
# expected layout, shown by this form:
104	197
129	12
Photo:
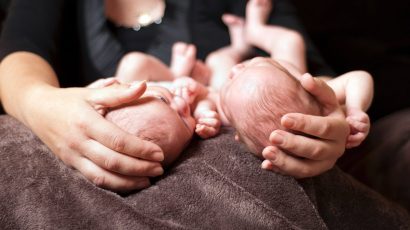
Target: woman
35	63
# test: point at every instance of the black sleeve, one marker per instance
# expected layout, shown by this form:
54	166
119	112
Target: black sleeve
31	26
101	49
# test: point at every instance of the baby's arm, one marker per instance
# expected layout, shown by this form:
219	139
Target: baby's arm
355	90
136	66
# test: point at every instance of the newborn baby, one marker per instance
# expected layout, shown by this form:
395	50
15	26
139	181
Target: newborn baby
258	93
160	117
172	108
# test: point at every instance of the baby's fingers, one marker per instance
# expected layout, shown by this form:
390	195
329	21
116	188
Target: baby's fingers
205	131
212	122
355	140
357	125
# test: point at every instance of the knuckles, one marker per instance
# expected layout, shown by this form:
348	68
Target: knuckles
112	164
118	143
324	129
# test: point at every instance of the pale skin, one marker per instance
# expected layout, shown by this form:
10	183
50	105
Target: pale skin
330	130
281	43
29	90
76	131
162	117
138	66
355	91
356	86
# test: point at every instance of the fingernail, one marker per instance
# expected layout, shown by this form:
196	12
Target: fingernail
267	165
278	138
158	156
137	84
157	171
289	121
271	155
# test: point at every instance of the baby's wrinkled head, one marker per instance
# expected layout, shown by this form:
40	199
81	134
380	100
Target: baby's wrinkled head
258	94
160	117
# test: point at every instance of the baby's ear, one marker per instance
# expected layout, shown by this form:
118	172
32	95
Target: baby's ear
237	138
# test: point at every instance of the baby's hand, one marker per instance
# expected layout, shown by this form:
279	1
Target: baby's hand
188	88
207	124
359	123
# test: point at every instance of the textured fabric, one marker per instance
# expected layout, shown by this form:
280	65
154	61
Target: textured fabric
383	160
216	184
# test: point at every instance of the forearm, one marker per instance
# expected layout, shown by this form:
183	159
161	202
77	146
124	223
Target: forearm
22	75
354	89
204	105
359	90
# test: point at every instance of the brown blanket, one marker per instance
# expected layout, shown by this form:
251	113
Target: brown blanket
215	185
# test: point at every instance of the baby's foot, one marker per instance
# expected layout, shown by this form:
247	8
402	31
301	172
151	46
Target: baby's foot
201	73
183	59
236	27
257	14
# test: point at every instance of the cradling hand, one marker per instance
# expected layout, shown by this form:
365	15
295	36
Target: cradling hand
323	141
70	122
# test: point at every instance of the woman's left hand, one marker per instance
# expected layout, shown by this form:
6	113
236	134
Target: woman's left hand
323	143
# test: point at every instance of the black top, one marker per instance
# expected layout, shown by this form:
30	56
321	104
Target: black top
82	45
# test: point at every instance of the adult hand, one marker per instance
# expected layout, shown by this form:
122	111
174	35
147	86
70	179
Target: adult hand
323	141
70	122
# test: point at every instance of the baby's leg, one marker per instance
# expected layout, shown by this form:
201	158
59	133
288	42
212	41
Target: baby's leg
221	61
136	66
201	73
183	59
282	43
184	63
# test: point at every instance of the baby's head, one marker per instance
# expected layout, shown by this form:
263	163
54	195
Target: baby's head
257	95
160	117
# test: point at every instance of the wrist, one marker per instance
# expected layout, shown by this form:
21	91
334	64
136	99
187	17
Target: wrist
26	101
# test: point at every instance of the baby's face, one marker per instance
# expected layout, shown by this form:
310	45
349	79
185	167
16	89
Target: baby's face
160	116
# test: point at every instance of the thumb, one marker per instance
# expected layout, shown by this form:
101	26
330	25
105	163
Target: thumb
321	91
115	96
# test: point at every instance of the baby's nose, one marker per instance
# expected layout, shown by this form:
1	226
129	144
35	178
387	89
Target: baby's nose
181	106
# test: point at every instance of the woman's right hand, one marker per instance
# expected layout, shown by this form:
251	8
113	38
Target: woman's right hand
70	122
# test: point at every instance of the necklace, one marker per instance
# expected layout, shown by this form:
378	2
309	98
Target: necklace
147	18
135	14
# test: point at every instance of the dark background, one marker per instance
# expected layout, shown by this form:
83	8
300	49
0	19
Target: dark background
371	35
